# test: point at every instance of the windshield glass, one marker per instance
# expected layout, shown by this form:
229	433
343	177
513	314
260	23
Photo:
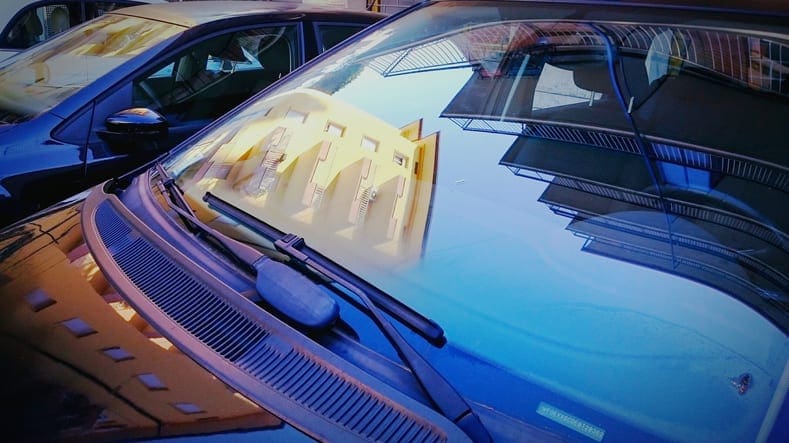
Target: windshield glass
51	72
598	208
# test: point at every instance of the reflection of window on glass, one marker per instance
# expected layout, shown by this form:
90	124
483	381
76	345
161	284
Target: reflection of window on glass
557	86
369	144
298	116
335	129
663	55
58	20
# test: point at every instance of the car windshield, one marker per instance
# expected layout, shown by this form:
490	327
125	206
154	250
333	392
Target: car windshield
597	207
51	72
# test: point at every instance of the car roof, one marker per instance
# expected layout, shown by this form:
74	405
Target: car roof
193	13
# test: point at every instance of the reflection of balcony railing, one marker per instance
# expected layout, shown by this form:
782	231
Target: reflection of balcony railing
718	161
607	191
766	302
616	140
673	206
733	221
749	60
317	197
667	150
388	6
583	136
265	176
688	243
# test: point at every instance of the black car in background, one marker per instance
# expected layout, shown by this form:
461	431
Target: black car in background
69	106
508	221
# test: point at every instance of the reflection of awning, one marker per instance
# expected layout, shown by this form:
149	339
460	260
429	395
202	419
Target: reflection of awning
441	54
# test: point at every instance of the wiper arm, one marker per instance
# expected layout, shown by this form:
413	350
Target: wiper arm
445	398
426	328
286	290
440	391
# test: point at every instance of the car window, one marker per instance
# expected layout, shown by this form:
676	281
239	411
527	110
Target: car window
209	78
40	23
58	68
47	19
329	34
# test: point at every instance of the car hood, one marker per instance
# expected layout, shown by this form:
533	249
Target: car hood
80	354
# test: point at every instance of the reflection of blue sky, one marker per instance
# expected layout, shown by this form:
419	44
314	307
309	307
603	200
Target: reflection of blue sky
506	280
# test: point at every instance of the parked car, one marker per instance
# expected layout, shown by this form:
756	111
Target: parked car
66	105
473	221
23	23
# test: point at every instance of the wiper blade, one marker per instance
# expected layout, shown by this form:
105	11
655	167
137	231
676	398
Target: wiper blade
277	283
444	397
426	328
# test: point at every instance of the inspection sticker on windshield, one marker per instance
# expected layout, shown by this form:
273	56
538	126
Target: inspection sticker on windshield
571	421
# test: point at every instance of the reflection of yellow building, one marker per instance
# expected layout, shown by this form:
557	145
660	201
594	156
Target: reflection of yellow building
108	374
337	174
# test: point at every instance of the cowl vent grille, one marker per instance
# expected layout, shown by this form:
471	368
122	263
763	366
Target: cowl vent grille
270	363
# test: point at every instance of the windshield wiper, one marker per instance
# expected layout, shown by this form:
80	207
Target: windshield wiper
426	328
444	397
286	290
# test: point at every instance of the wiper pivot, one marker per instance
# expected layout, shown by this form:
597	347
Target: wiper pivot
294	295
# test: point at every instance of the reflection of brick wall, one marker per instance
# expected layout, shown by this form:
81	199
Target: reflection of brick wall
513	36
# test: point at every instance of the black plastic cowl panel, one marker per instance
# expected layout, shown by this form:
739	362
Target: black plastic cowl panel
249	349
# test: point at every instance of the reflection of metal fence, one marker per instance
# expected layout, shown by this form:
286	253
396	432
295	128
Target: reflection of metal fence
608	191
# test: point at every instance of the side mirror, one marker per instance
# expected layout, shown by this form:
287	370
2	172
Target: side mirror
134	129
